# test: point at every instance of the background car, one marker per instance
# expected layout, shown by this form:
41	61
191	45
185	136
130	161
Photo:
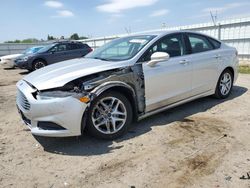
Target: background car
8	61
127	79
53	53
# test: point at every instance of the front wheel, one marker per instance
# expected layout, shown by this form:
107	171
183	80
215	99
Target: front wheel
38	64
109	115
224	85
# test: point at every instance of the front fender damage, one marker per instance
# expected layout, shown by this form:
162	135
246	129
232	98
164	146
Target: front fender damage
131	78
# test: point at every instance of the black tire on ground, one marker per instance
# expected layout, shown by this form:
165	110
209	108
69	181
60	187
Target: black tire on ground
90	128
39	63
219	91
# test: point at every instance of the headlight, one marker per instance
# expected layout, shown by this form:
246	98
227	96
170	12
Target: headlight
25	58
62	94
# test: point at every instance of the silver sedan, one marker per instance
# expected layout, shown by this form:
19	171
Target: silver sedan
125	80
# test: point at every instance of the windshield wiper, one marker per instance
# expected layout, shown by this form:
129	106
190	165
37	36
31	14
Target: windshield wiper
103	59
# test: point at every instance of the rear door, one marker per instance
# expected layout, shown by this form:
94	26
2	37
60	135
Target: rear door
57	53
170	81
77	50
73	51
205	63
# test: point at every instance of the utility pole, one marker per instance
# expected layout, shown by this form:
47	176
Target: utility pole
214	17
128	30
163	26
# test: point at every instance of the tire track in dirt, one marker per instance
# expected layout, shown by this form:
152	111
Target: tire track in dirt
194	133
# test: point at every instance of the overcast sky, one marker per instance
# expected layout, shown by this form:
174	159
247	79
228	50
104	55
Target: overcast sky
22	19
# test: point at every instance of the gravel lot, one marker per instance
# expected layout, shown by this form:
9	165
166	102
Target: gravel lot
204	143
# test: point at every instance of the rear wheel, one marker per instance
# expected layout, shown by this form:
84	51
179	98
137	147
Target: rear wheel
224	85
109	116
38	64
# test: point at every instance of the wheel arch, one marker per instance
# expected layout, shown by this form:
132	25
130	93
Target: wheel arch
121	87
116	86
39	58
230	69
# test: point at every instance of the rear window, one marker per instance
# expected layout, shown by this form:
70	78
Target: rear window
199	43
75	46
84	46
215	43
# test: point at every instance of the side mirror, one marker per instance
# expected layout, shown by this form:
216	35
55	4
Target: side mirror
158	57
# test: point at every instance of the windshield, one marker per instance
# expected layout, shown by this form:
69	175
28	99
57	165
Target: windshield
121	49
32	50
46	48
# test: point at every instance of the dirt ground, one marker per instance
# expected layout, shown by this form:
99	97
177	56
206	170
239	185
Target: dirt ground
205	143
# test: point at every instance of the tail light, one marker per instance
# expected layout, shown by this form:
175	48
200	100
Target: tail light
90	50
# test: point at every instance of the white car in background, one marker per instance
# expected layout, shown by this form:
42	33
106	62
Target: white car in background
8	60
127	79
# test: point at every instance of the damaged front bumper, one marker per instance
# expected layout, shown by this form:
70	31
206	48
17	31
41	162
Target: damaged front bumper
52	117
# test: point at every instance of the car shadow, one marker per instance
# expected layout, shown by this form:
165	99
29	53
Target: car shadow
10	68
86	145
24	72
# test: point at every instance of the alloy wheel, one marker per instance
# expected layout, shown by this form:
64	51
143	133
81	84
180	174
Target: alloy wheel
109	115
225	83
39	64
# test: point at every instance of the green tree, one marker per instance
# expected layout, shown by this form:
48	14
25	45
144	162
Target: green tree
50	37
74	36
31	40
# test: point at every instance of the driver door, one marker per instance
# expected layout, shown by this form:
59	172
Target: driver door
168	81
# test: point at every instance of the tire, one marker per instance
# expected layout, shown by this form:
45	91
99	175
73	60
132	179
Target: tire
225	81
105	112
37	64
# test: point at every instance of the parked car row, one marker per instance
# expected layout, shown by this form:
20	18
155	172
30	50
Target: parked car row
125	80
37	57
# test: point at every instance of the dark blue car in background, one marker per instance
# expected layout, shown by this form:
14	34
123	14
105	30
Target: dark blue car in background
52	53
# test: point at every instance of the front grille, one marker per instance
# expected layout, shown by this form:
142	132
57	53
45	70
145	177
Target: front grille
25	119
22	100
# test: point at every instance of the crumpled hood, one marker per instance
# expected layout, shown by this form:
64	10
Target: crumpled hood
58	74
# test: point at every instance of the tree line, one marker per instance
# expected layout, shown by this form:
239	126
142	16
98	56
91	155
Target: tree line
74	36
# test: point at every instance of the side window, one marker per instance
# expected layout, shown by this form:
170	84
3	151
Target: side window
199	43
59	48
72	46
62	47
84	46
173	45
215	43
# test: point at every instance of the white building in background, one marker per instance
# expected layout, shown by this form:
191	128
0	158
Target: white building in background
234	32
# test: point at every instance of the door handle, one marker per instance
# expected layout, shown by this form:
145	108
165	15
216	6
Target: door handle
184	62
217	56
